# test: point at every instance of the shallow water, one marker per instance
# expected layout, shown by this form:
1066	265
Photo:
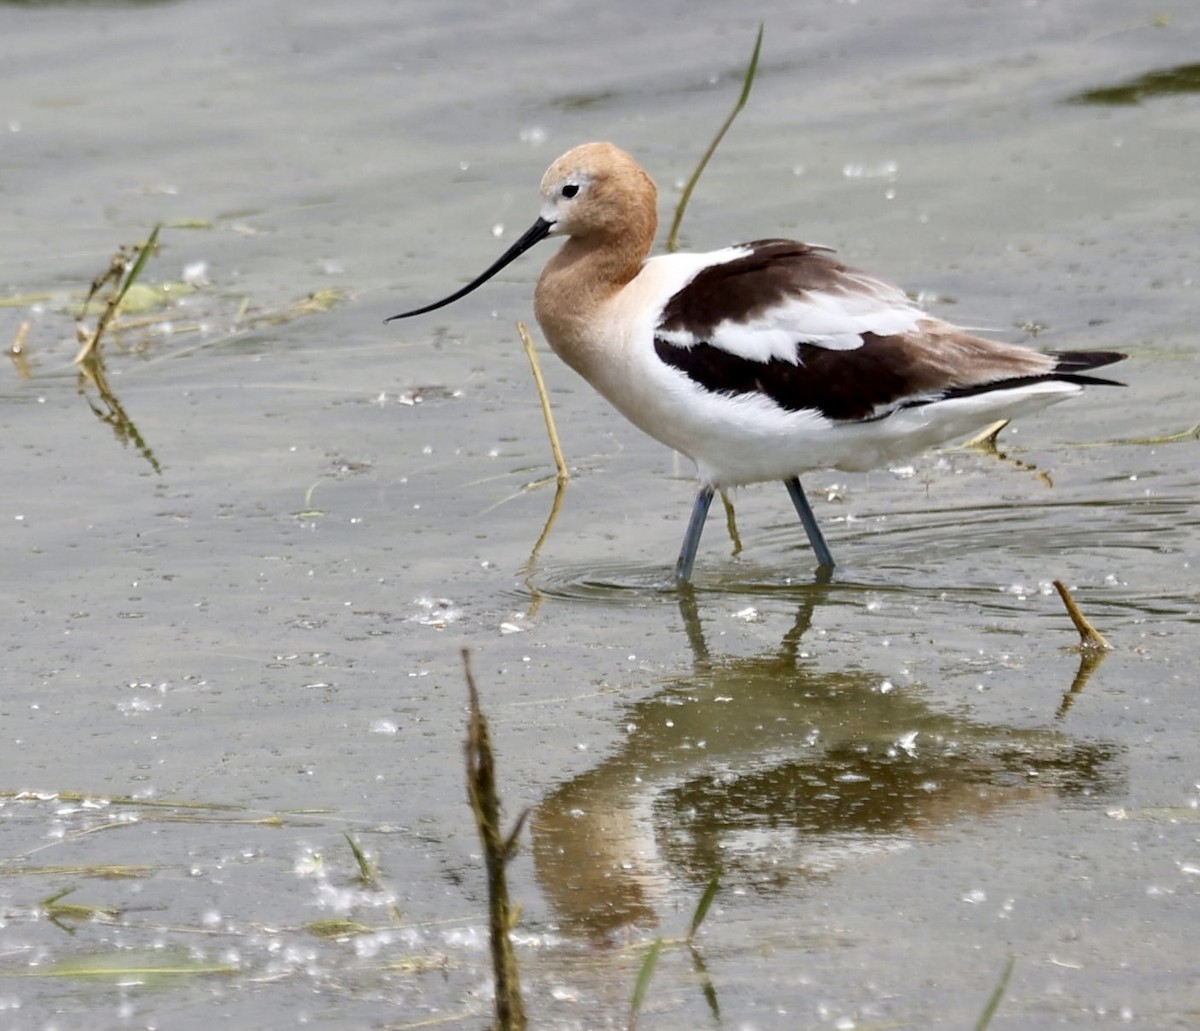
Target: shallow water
891	770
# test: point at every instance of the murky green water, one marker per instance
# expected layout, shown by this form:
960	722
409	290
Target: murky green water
890	770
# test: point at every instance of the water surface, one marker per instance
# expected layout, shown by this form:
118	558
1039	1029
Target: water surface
259	602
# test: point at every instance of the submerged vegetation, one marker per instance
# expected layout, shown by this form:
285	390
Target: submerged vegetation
1162	82
135	317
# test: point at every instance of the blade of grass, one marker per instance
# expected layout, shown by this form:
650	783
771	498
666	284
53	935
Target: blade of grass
366	873
643	982
993	1002
140	263
90	343
705	903
122	800
748	81
146	967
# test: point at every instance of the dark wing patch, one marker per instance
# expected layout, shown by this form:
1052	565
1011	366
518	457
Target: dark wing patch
887	371
853	385
744	288
884	374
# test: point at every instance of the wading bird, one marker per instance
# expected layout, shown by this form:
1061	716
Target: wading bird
764	360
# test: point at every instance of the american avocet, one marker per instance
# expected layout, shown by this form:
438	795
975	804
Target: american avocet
763	360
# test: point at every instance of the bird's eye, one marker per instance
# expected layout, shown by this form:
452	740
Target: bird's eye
570	190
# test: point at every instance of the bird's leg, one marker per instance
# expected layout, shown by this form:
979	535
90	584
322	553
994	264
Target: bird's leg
815	537
691	539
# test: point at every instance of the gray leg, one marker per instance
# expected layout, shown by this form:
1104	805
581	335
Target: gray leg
691	539
815	538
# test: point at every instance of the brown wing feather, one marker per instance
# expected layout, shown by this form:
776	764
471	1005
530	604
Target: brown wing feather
885	373
744	288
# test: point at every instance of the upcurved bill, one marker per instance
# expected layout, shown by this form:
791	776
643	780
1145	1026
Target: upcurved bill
538	231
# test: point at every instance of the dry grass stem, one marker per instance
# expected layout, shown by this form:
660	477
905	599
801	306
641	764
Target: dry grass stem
498	850
17	351
986	438
551	430
1089	637
987	442
1179	437
731	524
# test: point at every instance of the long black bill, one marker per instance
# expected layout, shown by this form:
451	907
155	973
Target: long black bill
538	231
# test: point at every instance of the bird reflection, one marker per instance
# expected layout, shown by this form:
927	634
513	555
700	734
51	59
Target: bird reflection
778	771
